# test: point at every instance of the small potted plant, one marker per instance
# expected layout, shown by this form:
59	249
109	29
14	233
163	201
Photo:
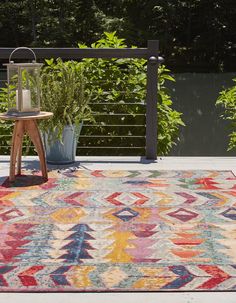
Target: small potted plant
63	93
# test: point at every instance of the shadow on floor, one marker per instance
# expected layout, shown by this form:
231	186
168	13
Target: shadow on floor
34	164
24	181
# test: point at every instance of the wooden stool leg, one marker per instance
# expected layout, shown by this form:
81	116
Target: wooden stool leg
32	130
17	137
19	155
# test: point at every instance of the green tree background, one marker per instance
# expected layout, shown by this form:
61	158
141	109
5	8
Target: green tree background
195	35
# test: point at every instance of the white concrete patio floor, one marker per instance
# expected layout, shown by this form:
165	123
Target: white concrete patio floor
133	163
128	163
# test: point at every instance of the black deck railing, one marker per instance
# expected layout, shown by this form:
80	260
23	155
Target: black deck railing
149	114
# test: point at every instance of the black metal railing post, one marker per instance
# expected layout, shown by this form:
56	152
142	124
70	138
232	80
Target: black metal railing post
151	100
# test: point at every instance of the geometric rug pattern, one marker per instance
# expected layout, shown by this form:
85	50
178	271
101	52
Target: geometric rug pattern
118	231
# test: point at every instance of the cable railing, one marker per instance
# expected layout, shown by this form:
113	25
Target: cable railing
114	131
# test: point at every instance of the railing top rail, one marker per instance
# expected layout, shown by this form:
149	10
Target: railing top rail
78	53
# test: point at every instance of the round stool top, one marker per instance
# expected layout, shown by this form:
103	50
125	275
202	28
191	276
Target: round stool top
40	115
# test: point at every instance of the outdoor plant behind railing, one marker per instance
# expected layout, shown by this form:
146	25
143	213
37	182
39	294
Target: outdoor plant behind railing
227	99
5	126
118	81
124	80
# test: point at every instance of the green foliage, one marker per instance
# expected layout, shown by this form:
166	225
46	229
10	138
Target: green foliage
227	100
63	92
169	120
5	126
188	39
109	87
123	81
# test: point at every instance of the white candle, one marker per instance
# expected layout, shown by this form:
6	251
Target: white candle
26	100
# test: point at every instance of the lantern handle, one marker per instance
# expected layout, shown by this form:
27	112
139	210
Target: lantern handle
23	47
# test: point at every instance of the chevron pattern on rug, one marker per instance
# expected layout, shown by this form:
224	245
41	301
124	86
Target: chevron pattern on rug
118	231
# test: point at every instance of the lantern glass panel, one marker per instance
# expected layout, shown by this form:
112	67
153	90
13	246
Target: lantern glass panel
12	87
23	88
30	89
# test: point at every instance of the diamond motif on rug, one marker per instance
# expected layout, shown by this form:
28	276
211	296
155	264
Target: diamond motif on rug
230	213
113	276
183	215
127	198
67	215
126	214
10	215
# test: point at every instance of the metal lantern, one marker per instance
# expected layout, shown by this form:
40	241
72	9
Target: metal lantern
23	86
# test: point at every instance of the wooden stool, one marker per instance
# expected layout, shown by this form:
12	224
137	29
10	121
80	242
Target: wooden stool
28	125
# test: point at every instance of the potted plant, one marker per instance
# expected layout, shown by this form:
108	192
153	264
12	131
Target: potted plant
63	93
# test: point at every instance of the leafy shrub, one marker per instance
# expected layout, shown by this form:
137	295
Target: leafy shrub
227	100
5	126
123	81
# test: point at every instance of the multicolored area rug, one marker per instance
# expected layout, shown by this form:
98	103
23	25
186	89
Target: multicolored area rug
119	231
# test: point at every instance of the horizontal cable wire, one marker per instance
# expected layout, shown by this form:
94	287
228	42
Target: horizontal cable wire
115	125
107	136
110	147
118	114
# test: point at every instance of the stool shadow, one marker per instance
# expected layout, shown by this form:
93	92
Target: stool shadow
34	165
24	181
